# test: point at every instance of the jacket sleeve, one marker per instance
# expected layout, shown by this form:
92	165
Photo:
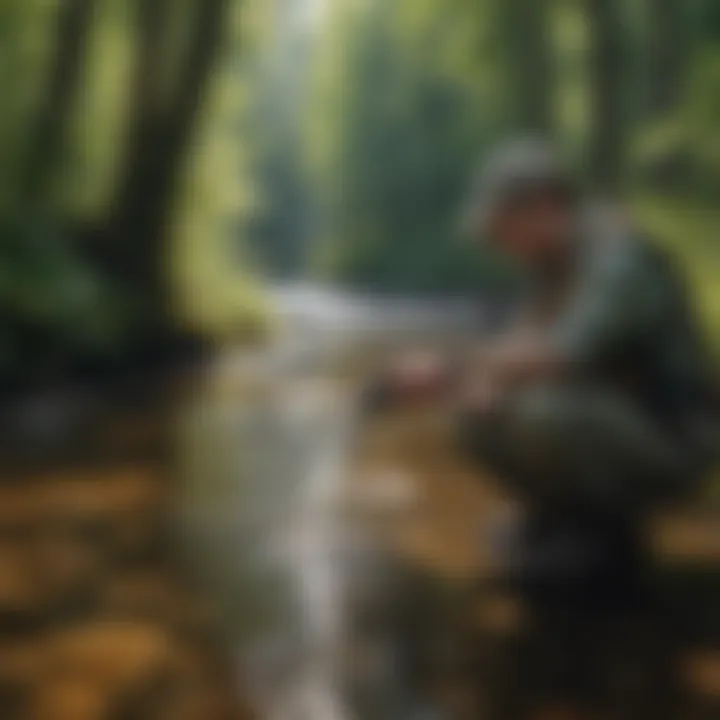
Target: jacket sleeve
617	297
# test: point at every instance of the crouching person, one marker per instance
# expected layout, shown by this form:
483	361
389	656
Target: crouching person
592	408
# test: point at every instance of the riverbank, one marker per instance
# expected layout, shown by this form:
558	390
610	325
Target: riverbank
99	614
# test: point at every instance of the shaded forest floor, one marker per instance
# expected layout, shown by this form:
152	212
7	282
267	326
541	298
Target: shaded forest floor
97	610
98	615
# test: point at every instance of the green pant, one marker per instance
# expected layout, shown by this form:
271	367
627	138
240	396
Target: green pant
578	441
578	559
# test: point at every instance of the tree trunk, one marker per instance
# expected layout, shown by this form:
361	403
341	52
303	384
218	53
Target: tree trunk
47	136
667	49
607	132
161	131
525	38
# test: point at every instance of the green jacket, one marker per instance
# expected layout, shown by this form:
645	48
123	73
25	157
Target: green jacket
628	320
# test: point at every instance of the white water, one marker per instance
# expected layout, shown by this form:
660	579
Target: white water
264	449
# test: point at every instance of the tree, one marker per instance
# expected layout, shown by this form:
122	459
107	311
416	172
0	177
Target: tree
607	143
667	53
161	131
278	232
49	133
409	113
89	275
525	50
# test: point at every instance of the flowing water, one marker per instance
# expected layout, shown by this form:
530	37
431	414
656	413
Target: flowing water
264	452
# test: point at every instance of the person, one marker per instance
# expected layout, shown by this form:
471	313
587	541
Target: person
595	404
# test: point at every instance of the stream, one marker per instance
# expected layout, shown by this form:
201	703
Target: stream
265	443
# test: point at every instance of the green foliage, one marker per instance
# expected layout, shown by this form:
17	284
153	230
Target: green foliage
689	228
25	49
96	139
409	93
342	149
65	297
217	291
686	145
59	311
395	139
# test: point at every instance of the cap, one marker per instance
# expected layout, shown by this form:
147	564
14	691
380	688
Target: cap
512	170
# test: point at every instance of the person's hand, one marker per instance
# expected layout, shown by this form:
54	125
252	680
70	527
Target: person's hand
418	373
515	360
479	394
419	376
